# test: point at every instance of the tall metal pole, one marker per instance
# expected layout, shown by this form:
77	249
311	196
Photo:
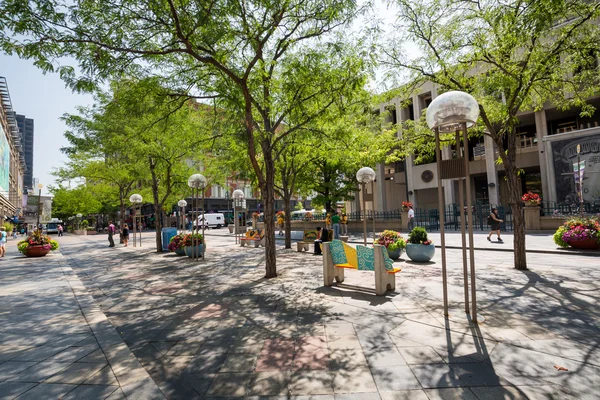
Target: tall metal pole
134	227
373	191
461	200
140	222
580	176
37	226
364	213
470	222
441	208
203	221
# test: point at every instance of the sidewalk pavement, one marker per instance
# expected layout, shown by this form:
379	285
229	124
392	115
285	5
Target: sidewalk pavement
215	328
55	342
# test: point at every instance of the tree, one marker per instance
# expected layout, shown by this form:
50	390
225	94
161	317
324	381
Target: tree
266	62
69	202
511	56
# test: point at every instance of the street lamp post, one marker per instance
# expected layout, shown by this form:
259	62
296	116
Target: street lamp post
182	203
39	209
197	182
136	200
455	112
238	203
78	221
364	176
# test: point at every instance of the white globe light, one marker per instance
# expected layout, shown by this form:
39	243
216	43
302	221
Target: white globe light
182	203
135	198
238	194
79	215
365	175
448	111
197	181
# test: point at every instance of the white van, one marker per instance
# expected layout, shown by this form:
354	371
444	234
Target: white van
212	220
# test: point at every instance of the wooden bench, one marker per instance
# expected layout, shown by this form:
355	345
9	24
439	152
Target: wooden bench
338	256
256	237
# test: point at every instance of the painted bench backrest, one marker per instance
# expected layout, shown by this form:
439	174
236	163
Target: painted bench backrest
361	258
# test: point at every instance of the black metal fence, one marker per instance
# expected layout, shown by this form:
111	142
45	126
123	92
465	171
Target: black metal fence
551	208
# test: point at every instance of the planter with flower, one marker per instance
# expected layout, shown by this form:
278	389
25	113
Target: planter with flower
176	245
308	216
194	244
419	247
37	245
579	233
406	205
393	242
531	199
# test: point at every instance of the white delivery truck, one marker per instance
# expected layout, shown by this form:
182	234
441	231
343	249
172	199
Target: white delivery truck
212	220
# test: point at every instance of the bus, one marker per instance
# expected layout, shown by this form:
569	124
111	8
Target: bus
52	226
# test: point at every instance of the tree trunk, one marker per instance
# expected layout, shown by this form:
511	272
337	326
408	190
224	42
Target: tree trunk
121	219
157	219
268	195
287	208
514	199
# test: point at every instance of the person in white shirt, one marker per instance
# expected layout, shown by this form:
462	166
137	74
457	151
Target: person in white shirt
411	218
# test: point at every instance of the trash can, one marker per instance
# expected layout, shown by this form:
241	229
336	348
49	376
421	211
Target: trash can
167	234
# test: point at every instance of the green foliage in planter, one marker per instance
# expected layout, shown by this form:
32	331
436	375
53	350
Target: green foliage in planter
558	237
417	236
84	224
54	245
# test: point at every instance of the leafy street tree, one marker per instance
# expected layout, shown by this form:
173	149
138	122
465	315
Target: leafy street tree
267	62
69	202
512	56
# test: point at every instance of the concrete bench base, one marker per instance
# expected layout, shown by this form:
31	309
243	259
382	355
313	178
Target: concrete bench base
255	242
302	246
344	238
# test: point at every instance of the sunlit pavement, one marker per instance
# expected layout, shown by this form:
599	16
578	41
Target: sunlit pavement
216	328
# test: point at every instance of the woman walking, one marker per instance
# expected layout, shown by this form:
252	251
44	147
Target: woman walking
494	221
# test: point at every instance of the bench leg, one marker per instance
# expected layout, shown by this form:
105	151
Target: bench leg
381	280
339	275
242	243
257	243
299	247
328	267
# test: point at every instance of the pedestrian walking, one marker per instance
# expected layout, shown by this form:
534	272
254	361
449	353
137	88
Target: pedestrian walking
335	220
3	238
494	221
411	218
60	230
280	222
125	233
111	232
14	233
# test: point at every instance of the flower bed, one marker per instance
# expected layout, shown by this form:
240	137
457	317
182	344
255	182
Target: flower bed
579	233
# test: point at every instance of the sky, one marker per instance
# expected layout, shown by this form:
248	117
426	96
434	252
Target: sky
45	98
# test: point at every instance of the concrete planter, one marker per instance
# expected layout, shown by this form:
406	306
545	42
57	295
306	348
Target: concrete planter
590	244
394	254
36	251
200	249
80	232
420	252
231	228
180	252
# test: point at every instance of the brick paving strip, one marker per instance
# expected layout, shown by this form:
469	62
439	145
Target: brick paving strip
55	342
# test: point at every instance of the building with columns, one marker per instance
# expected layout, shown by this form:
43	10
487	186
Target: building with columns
546	153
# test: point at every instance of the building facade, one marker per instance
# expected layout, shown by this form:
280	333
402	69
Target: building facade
26	127
547	143
12	157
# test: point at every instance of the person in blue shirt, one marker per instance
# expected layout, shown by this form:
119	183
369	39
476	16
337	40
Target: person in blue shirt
3	239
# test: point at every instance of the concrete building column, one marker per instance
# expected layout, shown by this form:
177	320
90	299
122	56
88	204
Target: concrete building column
491	169
541	130
380	195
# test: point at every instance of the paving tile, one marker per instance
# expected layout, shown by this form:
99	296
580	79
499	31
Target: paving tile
229	385
97	356
357	396
76	373
478	374
393	379
311	382
200	382
405	395
117	395
239	362
343	343
40	353
47	391
11	369
73	354
207	362
103	377
142	389
275	358
347	359
90	392
353	381
339	329
436	376
384	357
10	390
523	392
450	394
270	383
420	355
40	372
310	357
